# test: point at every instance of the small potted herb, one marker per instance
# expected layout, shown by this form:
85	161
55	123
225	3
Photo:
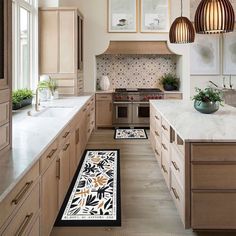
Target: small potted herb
208	100
21	98
170	82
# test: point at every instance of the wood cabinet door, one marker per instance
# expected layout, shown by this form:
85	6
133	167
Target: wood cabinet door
104	113
49	198
49	41
67	29
64	172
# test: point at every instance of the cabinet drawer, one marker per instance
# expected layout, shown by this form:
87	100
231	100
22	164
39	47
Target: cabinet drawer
157	150
213	210
25	216
157	134
4	136
178	196
213	152
165	146
18	194
48	156
165	168
64	136
4	114
173	96
101	97
165	128
213	176
177	165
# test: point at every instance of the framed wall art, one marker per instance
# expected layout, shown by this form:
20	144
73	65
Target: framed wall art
154	16
205	55
122	16
229	54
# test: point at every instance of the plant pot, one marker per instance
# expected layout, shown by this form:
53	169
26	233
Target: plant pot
23	103
206	107
169	87
105	83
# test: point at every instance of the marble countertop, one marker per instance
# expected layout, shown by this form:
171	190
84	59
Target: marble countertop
193	126
31	138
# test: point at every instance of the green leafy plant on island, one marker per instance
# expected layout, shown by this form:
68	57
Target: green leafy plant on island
171	80
20	95
208	95
48	84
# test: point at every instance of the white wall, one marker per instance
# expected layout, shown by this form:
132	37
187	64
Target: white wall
48	3
96	38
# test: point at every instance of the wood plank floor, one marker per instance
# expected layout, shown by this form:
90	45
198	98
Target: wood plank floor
147	207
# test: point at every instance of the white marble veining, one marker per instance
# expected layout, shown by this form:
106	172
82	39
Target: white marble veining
31	137
193	126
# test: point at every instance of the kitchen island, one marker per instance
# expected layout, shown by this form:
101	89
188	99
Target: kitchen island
197	157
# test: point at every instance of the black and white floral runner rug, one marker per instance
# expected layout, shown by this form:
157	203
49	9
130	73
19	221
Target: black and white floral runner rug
130	134
93	198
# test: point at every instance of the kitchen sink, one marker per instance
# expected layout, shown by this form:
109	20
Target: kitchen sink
53	112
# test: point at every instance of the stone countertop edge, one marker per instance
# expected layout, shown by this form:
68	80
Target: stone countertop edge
6	188
174	104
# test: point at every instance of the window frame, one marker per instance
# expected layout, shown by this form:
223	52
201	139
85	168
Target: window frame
32	8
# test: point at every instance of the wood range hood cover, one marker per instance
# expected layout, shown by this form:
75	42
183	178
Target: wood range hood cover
138	47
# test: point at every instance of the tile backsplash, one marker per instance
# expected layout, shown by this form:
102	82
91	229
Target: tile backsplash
134	71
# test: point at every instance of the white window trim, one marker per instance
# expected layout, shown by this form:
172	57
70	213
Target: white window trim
33	9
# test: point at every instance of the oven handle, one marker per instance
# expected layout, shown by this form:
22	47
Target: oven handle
122	102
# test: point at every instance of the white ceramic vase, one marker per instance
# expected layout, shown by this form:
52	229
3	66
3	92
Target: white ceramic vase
104	83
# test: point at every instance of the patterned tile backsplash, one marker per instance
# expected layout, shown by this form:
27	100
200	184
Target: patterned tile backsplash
134	71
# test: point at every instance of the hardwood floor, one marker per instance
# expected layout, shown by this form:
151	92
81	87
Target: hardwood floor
147	207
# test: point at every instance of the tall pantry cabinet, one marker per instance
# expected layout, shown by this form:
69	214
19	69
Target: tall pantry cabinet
61	48
5	74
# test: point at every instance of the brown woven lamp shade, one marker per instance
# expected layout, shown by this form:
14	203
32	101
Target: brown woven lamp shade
214	16
182	31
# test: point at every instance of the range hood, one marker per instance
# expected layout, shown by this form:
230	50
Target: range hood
138	47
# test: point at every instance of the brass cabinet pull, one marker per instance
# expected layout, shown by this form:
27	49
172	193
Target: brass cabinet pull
77	136
22	192
58	171
157	118
105	97
164	127
110	106
24	225
157	152
92	109
164	168
66	147
88	115
84	110
66	134
88	104
157	134
88	130
49	156
175	165
175	193
164	146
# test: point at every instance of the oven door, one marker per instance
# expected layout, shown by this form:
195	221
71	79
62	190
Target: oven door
141	113
122	113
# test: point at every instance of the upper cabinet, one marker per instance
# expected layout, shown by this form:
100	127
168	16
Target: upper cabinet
5	52
5	75
61	46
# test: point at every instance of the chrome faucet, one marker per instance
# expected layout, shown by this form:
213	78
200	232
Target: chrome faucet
230	82
213	83
37	103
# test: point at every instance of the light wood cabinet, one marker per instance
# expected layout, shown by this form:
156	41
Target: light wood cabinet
49	198
201	176
173	95
103	110
5	74
61	47
64	172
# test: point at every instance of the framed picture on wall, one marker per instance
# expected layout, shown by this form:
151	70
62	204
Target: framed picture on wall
229	54
122	16
205	55
154	16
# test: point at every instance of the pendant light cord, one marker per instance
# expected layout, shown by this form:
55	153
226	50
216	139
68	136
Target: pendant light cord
181	8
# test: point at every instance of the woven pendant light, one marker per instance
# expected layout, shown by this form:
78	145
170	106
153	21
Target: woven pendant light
214	16
182	30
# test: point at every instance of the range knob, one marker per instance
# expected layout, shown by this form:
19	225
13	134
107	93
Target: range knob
128	97
132	98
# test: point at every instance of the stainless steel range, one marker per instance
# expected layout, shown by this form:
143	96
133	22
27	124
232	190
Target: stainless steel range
131	106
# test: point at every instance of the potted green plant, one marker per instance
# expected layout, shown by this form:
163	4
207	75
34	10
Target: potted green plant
21	98
208	100
50	84
170	82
